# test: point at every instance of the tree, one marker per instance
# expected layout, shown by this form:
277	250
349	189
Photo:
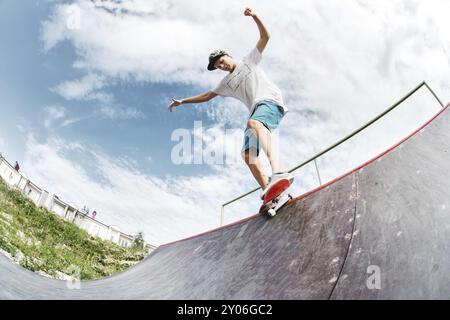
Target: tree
138	241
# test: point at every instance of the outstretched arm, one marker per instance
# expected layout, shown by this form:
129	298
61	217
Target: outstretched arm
196	99
263	33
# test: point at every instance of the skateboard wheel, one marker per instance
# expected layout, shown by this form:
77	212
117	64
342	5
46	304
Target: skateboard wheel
272	212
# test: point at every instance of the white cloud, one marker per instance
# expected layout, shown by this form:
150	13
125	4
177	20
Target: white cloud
57	115
70	121
86	88
53	113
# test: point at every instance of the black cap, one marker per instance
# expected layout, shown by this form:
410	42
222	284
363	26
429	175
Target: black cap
213	57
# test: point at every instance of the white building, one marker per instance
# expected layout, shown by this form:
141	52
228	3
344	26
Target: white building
22	183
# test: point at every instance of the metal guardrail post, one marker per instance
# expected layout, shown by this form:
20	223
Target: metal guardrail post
317	170
434	94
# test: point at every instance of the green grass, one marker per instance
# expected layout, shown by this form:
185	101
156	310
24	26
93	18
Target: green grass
41	241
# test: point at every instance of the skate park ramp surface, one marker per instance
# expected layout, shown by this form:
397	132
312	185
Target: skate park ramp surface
381	231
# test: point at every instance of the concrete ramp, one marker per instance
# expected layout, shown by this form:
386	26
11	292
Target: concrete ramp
381	231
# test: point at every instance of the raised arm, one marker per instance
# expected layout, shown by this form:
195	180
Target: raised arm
263	33
196	99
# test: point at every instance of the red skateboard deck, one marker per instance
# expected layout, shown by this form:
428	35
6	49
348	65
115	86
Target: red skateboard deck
278	188
274	199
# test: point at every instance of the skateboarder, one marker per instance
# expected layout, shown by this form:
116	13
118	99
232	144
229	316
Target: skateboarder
247	82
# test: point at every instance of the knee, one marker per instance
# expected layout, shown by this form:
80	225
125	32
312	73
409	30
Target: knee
253	124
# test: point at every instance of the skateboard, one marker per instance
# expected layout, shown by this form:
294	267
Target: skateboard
276	197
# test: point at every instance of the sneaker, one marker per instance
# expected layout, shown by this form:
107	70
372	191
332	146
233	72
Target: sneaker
274	178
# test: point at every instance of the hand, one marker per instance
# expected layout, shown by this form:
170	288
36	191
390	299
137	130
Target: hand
249	13
174	103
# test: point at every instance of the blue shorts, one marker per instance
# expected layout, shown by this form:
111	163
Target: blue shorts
269	114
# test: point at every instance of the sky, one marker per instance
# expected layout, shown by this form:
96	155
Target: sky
85	85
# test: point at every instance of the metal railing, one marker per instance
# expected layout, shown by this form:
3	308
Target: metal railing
423	84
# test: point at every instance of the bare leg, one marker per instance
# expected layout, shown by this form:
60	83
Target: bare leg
251	159
264	137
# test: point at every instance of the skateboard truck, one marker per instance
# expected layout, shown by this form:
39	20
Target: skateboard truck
277	204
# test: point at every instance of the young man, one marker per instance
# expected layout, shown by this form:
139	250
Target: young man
247	82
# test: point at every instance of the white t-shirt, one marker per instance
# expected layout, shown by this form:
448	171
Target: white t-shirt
249	84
